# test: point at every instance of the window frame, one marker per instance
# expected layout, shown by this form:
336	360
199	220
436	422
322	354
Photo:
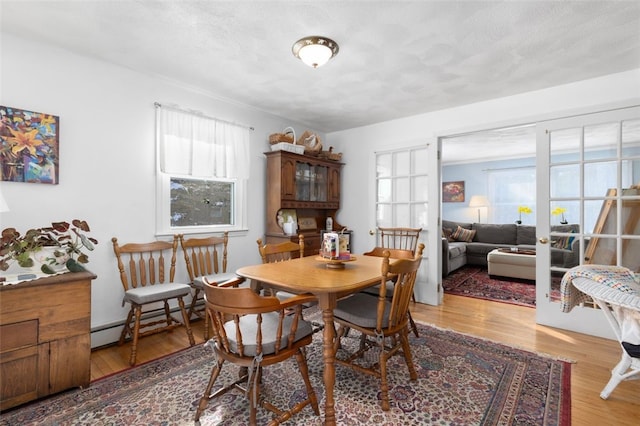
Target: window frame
163	207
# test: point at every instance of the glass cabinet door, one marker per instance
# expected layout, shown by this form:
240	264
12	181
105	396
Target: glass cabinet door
320	183
303	182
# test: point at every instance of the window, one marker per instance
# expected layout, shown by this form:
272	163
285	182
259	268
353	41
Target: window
510	188
203	166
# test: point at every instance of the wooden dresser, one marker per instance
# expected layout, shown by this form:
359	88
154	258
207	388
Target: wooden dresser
307	186
45	341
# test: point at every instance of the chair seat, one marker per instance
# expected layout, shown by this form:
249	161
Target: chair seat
361	309
270	322
198	282
375	290
156	293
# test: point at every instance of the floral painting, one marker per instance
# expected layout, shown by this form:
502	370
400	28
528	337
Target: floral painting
453	192
28	146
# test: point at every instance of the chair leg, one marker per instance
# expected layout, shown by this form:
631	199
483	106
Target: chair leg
204	401
126	330
412	324
384	385
304	370
187	324
194	301
206	326
136	332
406	350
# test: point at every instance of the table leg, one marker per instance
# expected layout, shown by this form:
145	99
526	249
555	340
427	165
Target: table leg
327	304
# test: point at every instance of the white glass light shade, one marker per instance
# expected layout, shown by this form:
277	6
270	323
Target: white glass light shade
315	51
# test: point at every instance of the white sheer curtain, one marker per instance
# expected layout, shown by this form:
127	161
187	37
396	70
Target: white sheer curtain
193	145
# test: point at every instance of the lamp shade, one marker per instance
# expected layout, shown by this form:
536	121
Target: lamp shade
479	201
315	51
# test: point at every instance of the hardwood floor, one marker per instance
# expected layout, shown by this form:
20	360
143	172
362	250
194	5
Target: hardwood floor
513	325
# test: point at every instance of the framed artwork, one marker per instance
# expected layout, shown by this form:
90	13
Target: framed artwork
29	146
453	192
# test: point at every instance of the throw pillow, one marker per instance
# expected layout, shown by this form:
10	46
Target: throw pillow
462	234
446	233
564	242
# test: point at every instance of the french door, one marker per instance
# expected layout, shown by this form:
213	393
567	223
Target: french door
407	195
587	166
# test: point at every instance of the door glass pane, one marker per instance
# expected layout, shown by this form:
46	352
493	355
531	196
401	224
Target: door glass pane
401	215
419	188
564	212
564	181
564	145
599	177
419	215
383	166
630	250
401	163
384	190
401	190
383	216
601	141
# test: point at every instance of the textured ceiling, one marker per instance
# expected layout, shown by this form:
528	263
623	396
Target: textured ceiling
396	59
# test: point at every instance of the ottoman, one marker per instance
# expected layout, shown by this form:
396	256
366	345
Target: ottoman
512	264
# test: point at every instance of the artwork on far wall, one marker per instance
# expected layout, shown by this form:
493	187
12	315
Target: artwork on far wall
453	192
29	146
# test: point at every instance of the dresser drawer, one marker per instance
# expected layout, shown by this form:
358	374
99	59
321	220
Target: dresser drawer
18	335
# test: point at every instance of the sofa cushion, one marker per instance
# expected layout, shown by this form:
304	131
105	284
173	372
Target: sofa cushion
457	249
526	234
463	234
446	233
495	233
454	225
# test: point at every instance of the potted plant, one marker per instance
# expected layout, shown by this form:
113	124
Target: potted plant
522	209
62	245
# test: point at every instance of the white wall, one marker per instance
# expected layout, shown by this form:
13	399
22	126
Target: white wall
107	172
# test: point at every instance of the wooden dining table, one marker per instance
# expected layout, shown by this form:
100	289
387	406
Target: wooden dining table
313	275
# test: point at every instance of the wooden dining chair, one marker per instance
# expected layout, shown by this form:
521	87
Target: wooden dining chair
399	238
147	280
374	291
383	322
280	252
253	332
204	257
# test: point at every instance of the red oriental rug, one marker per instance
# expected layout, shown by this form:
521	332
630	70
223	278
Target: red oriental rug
462	380
474	281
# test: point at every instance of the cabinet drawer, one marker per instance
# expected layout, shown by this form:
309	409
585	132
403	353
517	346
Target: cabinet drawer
18	335
311	245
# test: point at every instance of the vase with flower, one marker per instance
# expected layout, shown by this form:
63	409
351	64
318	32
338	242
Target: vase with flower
560	211
521	210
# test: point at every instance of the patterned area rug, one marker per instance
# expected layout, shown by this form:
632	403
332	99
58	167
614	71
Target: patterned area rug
474	281
462	380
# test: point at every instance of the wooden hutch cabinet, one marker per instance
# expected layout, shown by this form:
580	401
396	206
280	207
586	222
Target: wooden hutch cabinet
45	344
308	185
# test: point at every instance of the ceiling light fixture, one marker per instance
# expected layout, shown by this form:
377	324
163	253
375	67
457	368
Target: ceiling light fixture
315	51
